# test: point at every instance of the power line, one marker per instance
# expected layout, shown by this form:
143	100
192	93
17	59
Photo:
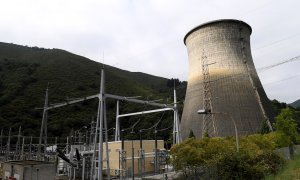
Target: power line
278	41
285	79
262	69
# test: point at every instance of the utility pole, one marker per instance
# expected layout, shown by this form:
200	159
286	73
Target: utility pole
140	155
101	120
155	151
43	127
30	148
132	157
22	151
117	130
106	137
18	148
91	132
176	128
8	145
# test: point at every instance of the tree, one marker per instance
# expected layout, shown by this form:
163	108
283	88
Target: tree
191	135
264	128
173	82
286	124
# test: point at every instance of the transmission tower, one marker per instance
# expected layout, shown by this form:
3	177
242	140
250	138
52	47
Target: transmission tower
208	124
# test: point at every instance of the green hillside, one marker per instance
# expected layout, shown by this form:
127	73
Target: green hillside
26	71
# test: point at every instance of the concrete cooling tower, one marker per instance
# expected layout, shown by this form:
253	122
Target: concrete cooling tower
222	80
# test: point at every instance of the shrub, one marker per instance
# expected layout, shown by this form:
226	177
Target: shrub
217	158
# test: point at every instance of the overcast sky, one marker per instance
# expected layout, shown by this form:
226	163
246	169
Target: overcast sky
147	35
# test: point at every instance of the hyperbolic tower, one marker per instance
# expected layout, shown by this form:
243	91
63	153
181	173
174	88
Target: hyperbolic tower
222	79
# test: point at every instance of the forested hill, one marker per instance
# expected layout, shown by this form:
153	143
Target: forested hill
296	104
26	71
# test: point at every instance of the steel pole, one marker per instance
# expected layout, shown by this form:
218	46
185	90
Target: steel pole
8	145
235	129
106	141
155	162
117	130
236	133
43	124
132	159
141	155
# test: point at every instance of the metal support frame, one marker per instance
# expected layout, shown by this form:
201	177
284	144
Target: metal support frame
208	123
8	145
176	128
155	152
205	111
22	150
102	121
43	125
117	130
132	159
141	162
18	145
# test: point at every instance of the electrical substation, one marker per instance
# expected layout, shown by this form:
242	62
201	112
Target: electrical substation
88	154
224	97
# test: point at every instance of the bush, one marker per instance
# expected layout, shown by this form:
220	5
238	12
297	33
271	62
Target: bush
217	158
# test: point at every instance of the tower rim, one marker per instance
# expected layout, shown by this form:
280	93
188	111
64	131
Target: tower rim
214	22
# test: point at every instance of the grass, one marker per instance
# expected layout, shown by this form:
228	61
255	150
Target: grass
291	171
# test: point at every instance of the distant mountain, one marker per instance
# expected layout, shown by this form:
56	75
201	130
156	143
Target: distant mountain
26	71
296	104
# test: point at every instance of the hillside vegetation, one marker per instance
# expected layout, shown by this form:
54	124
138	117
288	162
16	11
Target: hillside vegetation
26	71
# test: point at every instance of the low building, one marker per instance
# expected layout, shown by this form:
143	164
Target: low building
120	159
122	162
29	170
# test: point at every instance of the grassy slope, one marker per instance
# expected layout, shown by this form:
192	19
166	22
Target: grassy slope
290	172
25	73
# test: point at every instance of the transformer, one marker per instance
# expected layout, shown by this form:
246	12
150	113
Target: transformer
224	90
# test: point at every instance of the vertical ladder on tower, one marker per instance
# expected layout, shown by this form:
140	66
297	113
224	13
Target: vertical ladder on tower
208	123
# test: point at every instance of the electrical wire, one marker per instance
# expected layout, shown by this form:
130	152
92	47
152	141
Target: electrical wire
165	128
276	42
262	69
156	124
139	120
292	77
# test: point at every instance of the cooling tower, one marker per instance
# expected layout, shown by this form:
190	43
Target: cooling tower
222	79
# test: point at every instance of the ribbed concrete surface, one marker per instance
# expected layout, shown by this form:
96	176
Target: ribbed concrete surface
226	43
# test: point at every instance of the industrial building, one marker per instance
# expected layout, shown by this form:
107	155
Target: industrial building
126	158
223	82
29	169
143	159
